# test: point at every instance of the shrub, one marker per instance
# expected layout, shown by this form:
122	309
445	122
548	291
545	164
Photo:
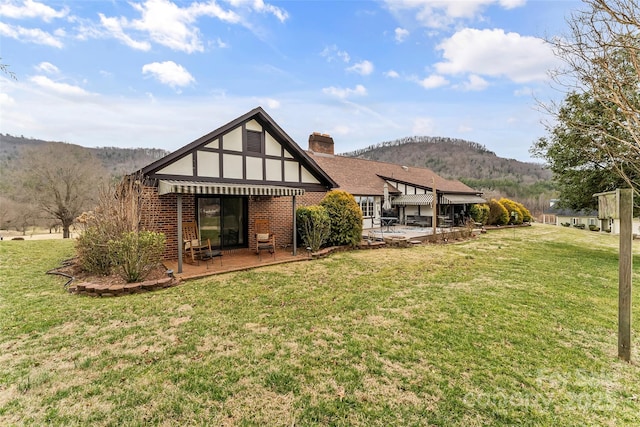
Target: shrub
93	252
565	224
480	213
118	212
526	215
594	227
346	218
314	226
498	214
135	254
580	226
515	214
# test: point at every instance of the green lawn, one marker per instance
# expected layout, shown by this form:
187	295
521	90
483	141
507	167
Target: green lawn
512	328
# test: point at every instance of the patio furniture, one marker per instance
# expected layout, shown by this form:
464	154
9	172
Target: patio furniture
192	244
210	255
388	221
265	240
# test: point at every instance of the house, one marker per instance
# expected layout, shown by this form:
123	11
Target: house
246	170
577	218
250	169
410	189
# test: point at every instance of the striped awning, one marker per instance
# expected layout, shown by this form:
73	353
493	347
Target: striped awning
195	187
413	200
461	199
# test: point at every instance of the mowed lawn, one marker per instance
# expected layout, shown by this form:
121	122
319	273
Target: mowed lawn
511	328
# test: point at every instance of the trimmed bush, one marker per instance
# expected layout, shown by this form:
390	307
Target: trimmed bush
314	226
135	255
594	227
580	226
479	213
498	214
515	214
526	215
345	216
565	224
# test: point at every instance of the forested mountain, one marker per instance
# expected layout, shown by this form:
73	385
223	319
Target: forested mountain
469	162
117	161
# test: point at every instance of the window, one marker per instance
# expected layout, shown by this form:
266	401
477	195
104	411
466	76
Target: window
366	205
254	141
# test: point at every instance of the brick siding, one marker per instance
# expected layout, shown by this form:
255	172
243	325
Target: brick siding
161	214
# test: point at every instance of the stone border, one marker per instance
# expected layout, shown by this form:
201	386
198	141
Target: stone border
107	290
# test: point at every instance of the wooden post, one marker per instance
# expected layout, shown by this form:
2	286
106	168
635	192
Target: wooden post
435	206
625	200
295	234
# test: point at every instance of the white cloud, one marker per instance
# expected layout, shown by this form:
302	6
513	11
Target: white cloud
30	9
47	67
474	83
524	91
401	34
496	53
364	68
29	35
261	6
423	126
6	100
270	103
433	81
114	28
167	24
439	14
341	93
331	53
169	73
59	88
392	74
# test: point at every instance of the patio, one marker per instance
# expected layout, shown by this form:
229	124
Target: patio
235	260
246	259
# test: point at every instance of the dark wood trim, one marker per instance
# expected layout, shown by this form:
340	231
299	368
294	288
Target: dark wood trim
267	124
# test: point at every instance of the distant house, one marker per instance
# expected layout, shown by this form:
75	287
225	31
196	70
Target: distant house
411	189
576	218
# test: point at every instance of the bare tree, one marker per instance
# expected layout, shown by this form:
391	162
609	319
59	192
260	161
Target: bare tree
61	178
602	59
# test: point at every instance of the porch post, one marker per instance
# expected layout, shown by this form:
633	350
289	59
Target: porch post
179	233
295	235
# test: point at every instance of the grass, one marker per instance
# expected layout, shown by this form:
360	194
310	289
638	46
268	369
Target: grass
511	328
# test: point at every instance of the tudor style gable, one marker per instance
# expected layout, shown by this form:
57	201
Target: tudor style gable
251	150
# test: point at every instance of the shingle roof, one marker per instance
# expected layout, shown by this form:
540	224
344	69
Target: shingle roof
367	177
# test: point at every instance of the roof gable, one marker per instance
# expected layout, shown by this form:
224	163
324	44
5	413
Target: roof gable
249	149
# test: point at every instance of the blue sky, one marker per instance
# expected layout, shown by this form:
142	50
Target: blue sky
161	73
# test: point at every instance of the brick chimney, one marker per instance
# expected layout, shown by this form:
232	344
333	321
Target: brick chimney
321	143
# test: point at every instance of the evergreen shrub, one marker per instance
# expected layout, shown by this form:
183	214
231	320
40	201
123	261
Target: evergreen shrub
346	218
498	214
314	226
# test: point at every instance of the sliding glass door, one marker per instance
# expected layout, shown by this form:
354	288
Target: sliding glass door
223	221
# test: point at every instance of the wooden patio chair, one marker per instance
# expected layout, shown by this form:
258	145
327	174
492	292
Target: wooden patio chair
193	245
265	240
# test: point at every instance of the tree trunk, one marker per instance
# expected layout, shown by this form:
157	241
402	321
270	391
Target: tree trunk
66	225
